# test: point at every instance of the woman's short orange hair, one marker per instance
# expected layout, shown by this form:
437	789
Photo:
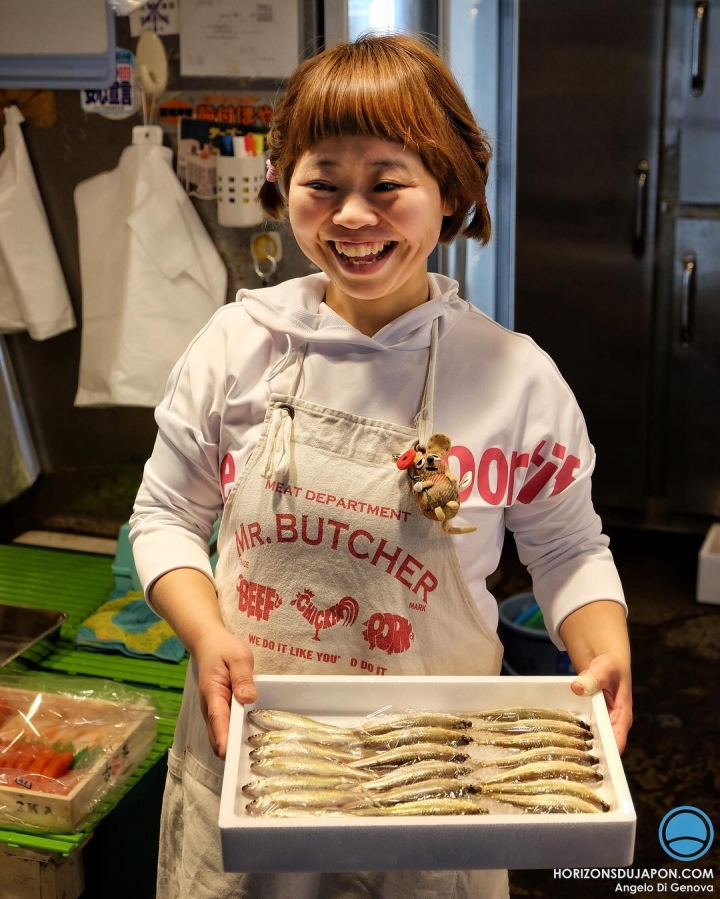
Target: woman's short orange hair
396	88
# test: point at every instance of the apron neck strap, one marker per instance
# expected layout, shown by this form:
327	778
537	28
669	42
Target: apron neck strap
424	417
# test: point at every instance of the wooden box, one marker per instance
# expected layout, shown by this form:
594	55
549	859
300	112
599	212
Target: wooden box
108	739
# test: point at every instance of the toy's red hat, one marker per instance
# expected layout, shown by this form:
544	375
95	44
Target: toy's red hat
406	460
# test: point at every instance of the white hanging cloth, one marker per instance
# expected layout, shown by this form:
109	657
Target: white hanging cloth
33	293
151	275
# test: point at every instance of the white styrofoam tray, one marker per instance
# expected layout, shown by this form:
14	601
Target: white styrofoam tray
708	576
350	843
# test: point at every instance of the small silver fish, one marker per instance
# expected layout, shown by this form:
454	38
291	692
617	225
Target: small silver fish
317	799
554	787
440	806
541	754
283	782
405	755
382	725
529	741
419	771
548	804
302	812
410	735
534	725
448	787
272	719
516	714
299	764
545	771
307	735
316	750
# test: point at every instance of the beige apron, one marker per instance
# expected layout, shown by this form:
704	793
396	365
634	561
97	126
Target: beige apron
326	567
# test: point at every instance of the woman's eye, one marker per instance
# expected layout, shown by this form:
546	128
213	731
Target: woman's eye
385	186
320	185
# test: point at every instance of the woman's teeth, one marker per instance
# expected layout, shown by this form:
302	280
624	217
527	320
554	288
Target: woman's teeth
361	251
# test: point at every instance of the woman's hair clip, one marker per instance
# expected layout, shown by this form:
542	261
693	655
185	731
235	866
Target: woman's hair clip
271	173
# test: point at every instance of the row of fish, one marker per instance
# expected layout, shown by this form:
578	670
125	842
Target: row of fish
420	763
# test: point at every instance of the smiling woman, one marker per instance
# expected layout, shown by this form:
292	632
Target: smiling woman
378	158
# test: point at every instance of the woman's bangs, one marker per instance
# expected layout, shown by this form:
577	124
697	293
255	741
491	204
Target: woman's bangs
360	108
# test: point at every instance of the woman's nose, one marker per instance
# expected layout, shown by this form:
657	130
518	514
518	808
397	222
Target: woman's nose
354	211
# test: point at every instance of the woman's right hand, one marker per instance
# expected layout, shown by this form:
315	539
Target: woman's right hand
225	668
186	598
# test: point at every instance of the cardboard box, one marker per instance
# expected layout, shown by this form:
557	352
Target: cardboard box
708	578
350	843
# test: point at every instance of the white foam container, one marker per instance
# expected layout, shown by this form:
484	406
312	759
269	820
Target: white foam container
349	843
708	577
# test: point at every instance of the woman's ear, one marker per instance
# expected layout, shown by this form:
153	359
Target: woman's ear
449	206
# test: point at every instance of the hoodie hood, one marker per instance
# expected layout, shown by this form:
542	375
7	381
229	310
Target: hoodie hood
297	308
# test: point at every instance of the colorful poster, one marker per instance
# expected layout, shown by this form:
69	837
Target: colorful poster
246	111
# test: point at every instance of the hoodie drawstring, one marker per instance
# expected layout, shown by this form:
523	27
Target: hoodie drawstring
281	364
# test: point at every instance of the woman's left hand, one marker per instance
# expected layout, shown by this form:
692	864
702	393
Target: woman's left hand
611	675
596	638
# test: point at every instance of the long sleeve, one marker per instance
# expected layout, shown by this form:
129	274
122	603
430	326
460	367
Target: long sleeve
557	531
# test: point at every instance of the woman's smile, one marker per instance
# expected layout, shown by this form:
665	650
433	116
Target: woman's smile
362	257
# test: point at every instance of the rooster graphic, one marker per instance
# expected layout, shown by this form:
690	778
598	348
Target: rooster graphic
345	611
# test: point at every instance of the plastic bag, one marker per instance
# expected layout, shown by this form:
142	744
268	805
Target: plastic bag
67	748
33	294
151	276
415	762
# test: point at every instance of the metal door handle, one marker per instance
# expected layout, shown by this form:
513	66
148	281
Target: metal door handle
697	60
687	298
640	225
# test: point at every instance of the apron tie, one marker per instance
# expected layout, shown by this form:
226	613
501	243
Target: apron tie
279	439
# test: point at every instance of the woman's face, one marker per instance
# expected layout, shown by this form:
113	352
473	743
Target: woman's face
369	214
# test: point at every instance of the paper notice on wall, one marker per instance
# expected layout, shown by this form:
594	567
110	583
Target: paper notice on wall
239	38
160	16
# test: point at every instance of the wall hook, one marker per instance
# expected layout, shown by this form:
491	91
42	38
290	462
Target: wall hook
152	65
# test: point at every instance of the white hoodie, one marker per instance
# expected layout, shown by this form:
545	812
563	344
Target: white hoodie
513	421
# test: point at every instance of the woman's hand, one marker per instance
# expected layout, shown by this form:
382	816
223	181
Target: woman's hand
611	675
186	599
596	638
225	666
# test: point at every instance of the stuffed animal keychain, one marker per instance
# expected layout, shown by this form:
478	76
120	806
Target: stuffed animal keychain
434	486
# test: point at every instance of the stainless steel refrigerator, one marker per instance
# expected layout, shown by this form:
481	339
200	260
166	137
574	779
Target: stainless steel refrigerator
618	239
